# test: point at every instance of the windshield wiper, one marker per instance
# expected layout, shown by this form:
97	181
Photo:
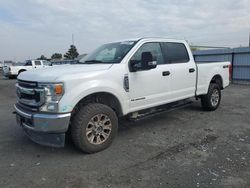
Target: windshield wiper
93	61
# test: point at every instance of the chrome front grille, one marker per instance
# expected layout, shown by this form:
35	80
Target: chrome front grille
29	94
27	84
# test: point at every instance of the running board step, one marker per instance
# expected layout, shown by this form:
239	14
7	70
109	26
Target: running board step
136	116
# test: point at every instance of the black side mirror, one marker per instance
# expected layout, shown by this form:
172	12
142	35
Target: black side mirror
146	62
146	58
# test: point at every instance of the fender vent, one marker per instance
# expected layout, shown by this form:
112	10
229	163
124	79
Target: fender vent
126	83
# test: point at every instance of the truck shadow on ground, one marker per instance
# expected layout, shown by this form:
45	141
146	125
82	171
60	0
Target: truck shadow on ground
126	128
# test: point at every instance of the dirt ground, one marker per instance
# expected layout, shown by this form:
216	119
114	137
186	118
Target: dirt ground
183	148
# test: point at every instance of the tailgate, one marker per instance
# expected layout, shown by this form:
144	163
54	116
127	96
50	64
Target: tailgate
6	69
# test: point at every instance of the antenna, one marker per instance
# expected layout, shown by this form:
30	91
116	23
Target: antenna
249	40
73	39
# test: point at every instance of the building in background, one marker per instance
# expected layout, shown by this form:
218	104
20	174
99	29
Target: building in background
239	58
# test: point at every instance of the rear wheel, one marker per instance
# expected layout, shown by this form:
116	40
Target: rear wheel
211	100
94	127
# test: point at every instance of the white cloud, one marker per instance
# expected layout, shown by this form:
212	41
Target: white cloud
38	27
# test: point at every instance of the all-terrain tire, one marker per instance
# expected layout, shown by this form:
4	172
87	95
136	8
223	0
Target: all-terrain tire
84	118
211	100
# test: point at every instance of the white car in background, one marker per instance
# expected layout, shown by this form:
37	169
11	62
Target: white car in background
16	68
1	65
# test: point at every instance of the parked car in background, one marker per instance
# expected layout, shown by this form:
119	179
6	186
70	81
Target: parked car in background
1	65
16	68
63	62
7	63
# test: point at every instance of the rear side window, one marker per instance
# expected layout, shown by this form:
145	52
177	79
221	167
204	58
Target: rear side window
175	52
37	62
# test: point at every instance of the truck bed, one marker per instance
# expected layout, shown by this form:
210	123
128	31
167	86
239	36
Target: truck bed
206	70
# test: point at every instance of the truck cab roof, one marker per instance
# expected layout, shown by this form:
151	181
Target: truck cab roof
155	39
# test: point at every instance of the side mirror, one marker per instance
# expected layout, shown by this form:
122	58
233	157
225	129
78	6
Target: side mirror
146	62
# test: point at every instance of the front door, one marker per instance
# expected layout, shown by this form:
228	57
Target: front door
149	88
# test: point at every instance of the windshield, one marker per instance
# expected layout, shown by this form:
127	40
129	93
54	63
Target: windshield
109	53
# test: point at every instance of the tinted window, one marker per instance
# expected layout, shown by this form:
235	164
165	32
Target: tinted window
37	62
175	52
154	48
28	63
109	53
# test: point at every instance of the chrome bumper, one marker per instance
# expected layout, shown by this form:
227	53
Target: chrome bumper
45	129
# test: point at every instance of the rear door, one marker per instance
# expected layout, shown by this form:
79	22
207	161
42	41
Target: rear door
182	70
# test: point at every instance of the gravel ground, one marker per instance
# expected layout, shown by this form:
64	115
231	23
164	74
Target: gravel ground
183	148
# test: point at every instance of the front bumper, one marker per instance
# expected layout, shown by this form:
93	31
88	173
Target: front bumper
44	129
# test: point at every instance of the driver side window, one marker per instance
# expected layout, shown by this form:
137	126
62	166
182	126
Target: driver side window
152	47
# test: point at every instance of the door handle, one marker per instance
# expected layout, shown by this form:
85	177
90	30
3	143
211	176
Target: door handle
191	70
165	73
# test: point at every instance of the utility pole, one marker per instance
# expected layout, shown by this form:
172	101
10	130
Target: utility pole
249	39
73	39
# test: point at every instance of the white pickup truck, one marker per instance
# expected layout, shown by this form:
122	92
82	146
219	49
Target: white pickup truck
127	78
15	69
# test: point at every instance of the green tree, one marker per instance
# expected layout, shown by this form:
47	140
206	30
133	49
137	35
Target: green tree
72	53
56	56
42	58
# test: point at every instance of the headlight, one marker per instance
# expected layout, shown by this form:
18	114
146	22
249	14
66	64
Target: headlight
53	94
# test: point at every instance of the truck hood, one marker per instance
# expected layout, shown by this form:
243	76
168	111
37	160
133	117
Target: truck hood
50	74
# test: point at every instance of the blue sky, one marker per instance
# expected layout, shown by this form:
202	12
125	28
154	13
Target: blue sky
29	28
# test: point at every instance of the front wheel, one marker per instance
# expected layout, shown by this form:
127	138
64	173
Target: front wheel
94	127
211	100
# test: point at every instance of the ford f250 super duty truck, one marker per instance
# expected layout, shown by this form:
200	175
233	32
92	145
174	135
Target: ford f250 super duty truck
126	78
